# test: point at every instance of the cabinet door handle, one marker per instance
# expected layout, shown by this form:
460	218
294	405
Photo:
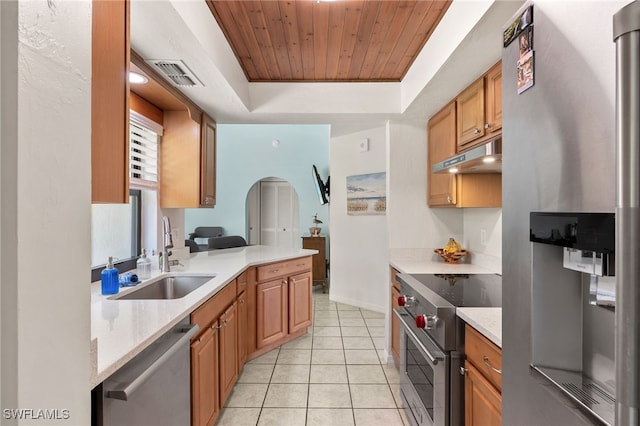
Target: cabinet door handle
241	301
217	327
293	280
449	199
284	282
476	131
488	363
487	126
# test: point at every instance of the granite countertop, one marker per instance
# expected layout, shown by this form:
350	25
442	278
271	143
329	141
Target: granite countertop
488	321
120	329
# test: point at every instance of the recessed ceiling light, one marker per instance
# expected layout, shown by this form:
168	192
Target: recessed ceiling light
135	78
489	160
453	170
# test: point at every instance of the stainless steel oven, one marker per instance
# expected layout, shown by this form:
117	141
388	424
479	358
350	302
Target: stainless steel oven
423	380
432	342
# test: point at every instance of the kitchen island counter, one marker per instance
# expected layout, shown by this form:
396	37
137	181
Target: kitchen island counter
120	329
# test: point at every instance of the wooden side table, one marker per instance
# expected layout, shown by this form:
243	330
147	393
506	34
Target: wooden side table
319	267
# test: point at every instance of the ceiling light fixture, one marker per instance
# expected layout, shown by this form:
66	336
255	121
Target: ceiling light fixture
453	170
489	160
135	78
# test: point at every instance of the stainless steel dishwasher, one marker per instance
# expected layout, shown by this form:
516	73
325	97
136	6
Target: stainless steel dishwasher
154	388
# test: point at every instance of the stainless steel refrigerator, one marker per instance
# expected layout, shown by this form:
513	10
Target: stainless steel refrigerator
559	155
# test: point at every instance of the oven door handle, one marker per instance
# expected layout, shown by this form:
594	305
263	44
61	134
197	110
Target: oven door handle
434	355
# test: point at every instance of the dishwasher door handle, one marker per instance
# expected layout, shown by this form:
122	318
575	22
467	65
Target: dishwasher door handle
125	391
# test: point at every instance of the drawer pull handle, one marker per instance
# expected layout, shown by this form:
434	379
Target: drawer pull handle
488	363
273	271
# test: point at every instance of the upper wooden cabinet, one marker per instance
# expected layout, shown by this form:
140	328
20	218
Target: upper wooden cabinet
479	109
441	137
110	102
188	146
208	162
474	117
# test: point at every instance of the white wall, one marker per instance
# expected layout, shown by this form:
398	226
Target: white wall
359	256
487	249
45	224
412	224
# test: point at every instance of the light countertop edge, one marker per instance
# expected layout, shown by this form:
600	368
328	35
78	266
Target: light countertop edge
488	321
121	329
425	261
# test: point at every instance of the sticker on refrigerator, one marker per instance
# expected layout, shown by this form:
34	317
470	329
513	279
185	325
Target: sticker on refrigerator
525	72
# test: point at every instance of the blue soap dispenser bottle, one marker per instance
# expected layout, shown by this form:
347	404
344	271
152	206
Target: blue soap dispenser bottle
109	277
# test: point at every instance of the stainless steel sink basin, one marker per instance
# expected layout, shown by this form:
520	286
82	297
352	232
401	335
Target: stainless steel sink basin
169	287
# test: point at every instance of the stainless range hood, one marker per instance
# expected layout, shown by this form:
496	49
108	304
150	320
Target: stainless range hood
485	158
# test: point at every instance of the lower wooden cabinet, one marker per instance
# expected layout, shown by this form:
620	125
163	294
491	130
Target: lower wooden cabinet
272	313
214	355
204	377
482	401
483	380
283	304
300	308
243	319
395	322
228	324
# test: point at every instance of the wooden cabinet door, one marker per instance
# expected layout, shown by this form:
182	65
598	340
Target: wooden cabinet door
493	99
441	134
204	378
228	324
395	326
272	312
242	329
300	308
110	102
180	161
470	114
482	400
208	162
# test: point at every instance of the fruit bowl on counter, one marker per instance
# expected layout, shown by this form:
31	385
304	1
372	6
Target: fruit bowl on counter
452	252
451	257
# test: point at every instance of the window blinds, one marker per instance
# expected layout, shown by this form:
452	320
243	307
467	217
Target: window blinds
143	152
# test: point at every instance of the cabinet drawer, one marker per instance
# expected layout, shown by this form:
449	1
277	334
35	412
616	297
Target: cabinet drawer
215	306
394	280
280	269
484	355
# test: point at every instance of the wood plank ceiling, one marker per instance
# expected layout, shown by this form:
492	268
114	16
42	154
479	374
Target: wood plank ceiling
313	40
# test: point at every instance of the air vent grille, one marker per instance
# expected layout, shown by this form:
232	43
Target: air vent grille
177	72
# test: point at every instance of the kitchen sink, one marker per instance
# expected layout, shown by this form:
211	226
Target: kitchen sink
173	286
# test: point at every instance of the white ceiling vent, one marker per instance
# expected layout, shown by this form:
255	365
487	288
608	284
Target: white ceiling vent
177	72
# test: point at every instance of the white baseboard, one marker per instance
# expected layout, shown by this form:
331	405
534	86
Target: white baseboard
358	303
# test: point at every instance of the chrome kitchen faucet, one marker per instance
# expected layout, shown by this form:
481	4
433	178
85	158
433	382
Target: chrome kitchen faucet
167	243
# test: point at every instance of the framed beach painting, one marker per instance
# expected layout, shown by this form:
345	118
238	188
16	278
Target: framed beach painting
367	194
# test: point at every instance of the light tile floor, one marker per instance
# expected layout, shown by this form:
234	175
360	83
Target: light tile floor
334	375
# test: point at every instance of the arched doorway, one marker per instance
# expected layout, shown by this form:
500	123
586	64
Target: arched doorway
273	213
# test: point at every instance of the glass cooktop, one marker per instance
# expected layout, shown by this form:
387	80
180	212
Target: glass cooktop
465	290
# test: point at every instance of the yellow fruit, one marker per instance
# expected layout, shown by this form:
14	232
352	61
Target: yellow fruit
452	246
